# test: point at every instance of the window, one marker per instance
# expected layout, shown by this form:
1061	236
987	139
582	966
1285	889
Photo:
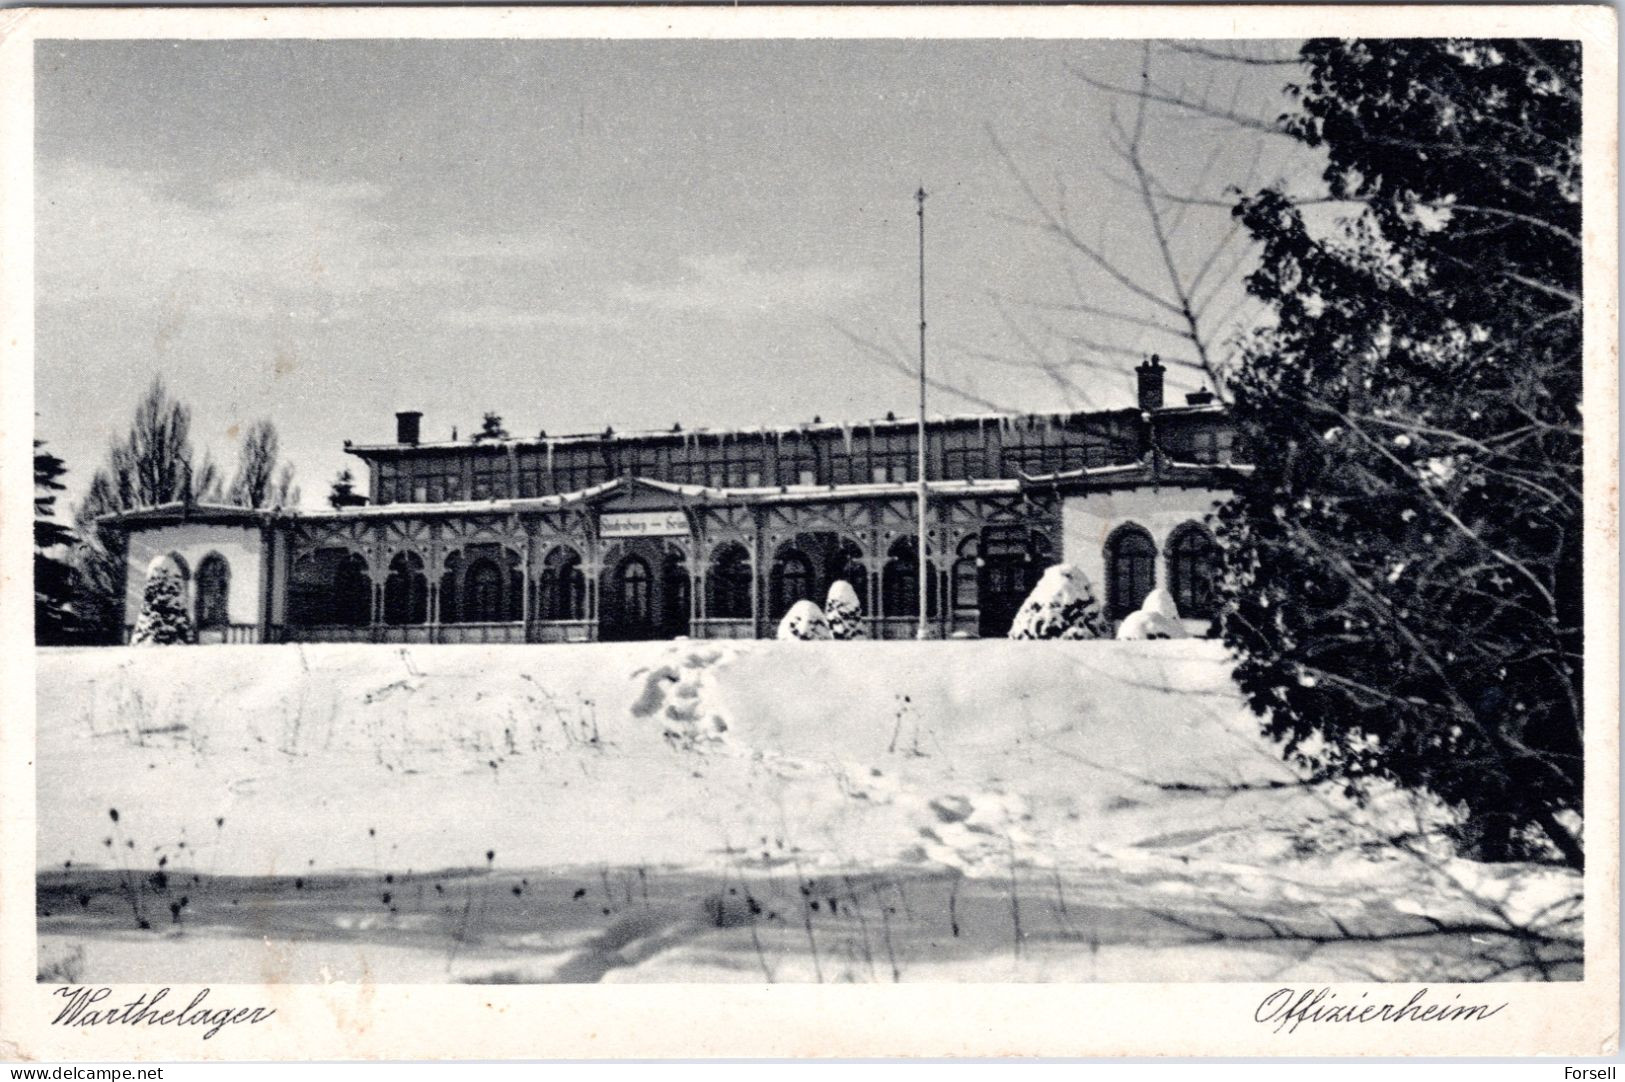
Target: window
482	592
1193	563
900	581
730	584
967	577
330	586
641	460
677	602
490	477
632	580
213	585
846	565
406	590
797	463
563	586
791	581
1131	569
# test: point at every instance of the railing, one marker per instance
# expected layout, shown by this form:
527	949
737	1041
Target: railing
231	634
723	628
481	633
561	631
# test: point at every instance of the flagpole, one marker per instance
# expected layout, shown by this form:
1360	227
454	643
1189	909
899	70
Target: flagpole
924	567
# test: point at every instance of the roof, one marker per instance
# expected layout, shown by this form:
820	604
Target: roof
686	493
1004	420
182	511
1149	472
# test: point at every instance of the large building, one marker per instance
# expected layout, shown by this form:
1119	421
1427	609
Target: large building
715	534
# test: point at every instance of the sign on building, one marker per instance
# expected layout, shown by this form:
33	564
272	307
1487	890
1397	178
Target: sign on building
642	524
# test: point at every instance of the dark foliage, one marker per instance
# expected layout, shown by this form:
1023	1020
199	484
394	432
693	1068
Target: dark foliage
1406	582
54	622
152	465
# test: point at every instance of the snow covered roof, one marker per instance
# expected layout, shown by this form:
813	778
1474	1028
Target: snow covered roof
182	511
1147	473
692	493
1008	420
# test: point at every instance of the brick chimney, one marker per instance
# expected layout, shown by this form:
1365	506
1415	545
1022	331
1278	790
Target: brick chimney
406	426
1150	383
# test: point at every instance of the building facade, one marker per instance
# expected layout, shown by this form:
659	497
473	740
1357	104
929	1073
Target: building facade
608	537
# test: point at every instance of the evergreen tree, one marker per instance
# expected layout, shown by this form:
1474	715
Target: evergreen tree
1061	606
1405	583
490	429
54	622
843	613
164	620
343	493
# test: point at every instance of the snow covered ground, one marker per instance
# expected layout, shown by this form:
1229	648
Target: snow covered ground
985	810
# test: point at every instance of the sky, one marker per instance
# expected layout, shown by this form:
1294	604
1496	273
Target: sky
581	234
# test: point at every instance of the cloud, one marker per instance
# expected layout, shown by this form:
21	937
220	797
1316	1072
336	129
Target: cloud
254	247
730	286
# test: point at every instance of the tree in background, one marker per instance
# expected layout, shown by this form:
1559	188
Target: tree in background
343	493
490	428
1405	580
259	482
151	465
54	621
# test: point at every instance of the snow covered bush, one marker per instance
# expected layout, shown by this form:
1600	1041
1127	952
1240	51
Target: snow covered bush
842	611
1061	606
804	621
1158	618
164	620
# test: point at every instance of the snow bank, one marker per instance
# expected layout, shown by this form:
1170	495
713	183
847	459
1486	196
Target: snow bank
1133	762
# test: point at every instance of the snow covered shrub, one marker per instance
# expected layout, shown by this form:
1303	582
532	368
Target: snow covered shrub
843	612
1158	618
804	621
1061	606
163	607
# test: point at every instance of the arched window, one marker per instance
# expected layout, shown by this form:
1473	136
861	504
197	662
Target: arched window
563	587
482	592
406	590
1193	570
846	565
213	586
632	583
900	581
1131	569
791	581
729	584
352	592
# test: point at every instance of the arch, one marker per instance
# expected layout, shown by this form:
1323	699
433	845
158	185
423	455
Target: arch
182	566
1131	569
1193	571
790	580
330	586
728	583
406	590
481	584
900	581
213	592
563	587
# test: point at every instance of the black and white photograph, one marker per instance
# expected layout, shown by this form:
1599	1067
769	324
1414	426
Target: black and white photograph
671	509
